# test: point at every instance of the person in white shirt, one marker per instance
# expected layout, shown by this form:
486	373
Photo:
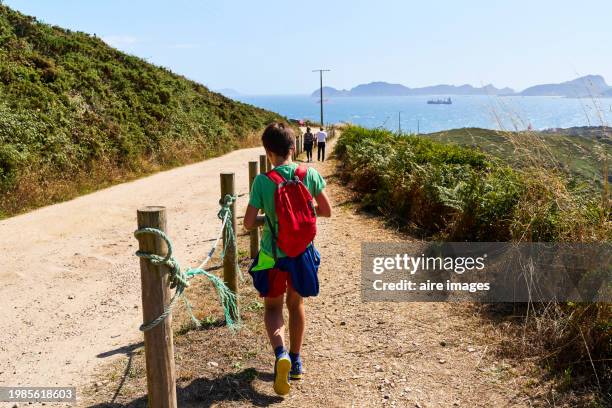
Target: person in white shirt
321	138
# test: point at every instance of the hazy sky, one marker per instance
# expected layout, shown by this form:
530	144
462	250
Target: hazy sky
271	46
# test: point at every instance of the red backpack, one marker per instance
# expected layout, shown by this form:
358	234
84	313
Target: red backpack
297	221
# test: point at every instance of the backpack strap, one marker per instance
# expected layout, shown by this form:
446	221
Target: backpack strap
271	227
301	172
277	179
275	176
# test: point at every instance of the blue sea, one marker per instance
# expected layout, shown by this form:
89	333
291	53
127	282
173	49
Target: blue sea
492	112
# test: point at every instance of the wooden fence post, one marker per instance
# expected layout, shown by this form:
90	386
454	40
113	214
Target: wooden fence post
262	163
254	234
158	341
230	263
268	164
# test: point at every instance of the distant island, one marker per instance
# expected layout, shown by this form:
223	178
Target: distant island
387	89
589	85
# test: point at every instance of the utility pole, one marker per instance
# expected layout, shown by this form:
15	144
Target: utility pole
320	71
399	122
418	125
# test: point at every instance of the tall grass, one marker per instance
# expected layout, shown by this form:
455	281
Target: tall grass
444	191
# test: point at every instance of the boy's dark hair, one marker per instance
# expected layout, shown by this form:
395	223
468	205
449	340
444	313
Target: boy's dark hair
278	138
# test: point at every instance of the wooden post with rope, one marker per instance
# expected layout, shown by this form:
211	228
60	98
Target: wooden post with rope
254	234
230	262
158	341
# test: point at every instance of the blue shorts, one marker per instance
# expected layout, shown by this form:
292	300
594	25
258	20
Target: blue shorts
299	273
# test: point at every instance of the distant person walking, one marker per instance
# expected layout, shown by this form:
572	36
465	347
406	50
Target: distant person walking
321	139
309	140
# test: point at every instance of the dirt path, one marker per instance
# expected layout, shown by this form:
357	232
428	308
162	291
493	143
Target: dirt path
70	285
367	354
390	354
73	305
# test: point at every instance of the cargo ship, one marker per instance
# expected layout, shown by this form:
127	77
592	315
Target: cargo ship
447	101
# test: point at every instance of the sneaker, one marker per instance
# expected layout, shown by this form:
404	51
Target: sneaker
281	374
296	368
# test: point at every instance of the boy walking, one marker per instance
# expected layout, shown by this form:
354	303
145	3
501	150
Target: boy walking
321	139
285	270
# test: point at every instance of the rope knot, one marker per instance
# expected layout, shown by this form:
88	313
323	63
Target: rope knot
179	280
225	204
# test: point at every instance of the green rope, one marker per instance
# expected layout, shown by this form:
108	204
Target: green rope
179	280
225	215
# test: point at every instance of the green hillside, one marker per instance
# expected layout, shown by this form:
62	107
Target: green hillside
76	115
580	155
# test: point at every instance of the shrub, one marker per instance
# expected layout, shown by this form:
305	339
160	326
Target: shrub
444	190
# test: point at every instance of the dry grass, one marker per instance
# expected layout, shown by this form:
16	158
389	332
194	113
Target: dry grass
569	353
572	341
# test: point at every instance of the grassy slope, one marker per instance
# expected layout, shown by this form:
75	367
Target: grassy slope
580	157
76	114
